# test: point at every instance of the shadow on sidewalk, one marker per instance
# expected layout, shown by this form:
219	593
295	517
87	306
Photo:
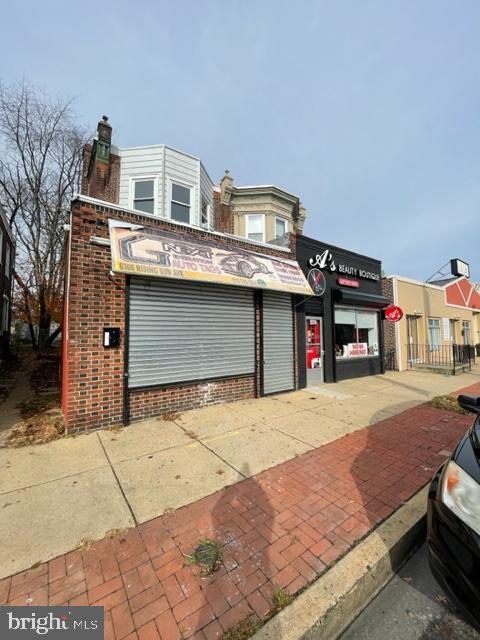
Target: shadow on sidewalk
240	589
389	466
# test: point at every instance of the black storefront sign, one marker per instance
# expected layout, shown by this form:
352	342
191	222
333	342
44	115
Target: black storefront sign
340	332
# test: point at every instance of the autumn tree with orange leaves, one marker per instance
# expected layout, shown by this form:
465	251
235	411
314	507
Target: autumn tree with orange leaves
40	169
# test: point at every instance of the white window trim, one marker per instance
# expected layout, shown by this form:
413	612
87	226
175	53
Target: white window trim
438	327
181	183
281	220
134	179
255	215
209	212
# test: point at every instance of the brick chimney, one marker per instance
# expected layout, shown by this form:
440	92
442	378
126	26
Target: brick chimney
101	167
222	206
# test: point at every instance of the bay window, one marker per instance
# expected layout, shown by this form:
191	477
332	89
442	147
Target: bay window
356	333
281	227
143	195
255	227
180	203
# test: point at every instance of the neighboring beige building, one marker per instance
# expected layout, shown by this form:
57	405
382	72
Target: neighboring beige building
263	213
437	315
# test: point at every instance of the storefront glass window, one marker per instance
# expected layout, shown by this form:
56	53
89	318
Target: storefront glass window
356	333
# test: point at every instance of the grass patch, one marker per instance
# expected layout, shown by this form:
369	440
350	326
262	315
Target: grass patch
243	630
113	534
447	403
280	600
85	544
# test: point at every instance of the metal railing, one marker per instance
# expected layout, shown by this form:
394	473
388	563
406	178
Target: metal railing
449	356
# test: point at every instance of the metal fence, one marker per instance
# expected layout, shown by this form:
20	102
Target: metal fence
449	357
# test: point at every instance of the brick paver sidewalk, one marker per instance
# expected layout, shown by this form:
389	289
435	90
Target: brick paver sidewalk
280	528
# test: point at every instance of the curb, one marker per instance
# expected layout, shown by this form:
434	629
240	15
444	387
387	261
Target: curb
326	608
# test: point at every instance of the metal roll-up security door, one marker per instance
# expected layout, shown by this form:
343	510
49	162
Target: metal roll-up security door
181	332
277	342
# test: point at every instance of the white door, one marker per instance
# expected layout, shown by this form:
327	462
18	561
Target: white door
314	350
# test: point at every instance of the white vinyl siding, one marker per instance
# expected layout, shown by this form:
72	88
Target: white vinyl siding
206	194
144	163
166	166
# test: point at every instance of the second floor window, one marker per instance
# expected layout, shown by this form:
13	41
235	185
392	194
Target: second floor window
255	227
143	196
7	261
5	313
180	204
281	227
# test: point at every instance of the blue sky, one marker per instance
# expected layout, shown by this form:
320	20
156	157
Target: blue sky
368	110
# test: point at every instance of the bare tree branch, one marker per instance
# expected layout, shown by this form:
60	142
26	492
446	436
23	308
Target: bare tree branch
40	169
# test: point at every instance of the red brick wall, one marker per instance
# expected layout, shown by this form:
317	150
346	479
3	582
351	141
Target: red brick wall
104	182
223	219
153	402
94	391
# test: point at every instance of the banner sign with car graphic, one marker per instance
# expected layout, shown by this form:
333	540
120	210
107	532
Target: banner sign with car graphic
148	252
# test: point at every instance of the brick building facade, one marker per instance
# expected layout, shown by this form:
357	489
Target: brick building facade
95	392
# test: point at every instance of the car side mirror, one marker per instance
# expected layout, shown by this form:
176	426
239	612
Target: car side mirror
469	402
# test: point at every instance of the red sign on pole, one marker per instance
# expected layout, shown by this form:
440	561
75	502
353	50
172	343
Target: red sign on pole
393	313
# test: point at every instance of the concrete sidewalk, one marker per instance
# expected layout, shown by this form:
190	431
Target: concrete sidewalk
280	528
54	496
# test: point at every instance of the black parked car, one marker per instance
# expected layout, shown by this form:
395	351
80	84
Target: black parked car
453	519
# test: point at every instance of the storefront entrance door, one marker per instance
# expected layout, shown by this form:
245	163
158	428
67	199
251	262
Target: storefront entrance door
314	350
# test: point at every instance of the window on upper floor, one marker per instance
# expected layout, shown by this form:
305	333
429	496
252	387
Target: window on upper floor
180	203
281	227
144	195
255	227
7	261
5	313
205	214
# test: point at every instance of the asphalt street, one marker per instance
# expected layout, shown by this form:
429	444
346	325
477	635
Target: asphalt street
411	607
